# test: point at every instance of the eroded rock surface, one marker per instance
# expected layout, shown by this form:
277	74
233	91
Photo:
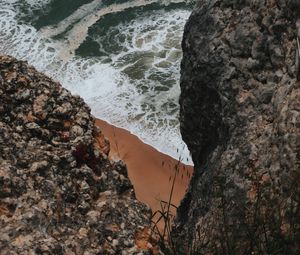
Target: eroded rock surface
240	116
59	193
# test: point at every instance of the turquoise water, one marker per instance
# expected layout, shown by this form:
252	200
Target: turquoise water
122	57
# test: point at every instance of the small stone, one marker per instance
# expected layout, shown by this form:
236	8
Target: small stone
122	225
23	95
77	130
39	166
83	233
93	216
101	204
39	105
115	243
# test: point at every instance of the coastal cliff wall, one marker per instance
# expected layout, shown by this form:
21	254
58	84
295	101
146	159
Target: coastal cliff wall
240	117
59	193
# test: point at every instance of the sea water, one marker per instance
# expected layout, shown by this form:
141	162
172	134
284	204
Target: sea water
122	57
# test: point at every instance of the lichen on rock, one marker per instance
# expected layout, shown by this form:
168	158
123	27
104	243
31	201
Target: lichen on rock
59	193
240	117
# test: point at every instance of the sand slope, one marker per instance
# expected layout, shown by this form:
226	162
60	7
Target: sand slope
150	171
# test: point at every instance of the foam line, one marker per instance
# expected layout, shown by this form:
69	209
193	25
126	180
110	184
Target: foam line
62	26
78	33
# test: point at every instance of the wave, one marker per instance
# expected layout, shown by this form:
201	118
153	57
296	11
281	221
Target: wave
86	16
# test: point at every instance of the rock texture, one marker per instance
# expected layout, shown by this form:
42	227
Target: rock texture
240	116
59	193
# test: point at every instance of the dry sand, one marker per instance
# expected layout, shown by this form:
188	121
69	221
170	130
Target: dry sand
150	171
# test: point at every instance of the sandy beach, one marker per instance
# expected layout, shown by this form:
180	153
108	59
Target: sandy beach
150	171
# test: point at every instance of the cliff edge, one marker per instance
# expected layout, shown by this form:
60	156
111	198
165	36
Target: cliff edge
240	117
59	193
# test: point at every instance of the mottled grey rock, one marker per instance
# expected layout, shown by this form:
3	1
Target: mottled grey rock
240	118
52	174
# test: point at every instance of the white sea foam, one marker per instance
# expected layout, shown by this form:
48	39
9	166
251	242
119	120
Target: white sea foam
86	16
112	94
36	4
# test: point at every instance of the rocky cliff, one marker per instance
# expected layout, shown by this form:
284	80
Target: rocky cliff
59	193
240	116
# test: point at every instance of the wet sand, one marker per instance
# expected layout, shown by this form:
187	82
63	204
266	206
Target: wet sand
150	171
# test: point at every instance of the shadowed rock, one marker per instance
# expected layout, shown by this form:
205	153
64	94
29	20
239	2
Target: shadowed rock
240	116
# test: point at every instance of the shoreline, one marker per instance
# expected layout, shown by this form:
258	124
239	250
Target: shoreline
150	171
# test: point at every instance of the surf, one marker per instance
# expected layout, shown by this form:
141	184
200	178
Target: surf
133	85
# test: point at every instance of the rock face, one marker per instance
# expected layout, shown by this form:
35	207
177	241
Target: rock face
59	193
240	116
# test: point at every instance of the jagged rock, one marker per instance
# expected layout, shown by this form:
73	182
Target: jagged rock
240	117
54	174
